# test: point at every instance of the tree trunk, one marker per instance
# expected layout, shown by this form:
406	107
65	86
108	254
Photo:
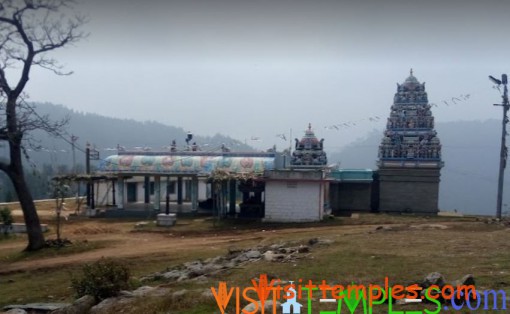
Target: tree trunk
15	173
34	231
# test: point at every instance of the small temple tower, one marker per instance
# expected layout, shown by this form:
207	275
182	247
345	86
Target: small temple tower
410	154
309	151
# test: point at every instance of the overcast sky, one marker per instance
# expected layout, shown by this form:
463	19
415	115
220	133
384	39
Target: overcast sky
256	68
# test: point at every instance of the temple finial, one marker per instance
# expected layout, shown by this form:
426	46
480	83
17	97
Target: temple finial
309	126
411	71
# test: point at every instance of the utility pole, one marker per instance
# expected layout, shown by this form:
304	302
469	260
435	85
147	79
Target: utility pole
73	146
87	170
90	155
504	150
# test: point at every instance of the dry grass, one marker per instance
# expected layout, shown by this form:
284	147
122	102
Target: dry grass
359	253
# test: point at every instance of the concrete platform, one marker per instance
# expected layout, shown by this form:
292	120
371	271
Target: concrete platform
166	220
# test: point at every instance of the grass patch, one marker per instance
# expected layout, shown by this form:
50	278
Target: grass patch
49	252
37	286
359	253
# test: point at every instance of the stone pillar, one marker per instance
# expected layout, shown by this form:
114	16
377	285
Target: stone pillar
147	189
120	193
114	202
194	193
179	190
232	193
157	193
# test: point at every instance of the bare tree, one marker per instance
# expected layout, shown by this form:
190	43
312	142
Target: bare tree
29	30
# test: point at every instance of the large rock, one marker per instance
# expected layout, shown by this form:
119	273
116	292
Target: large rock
80	306
215	260
16	311
434	278
467	280
241	258
212	268
150	291
107	305
194	269
173	274
37	307
253	254
268	307
271	256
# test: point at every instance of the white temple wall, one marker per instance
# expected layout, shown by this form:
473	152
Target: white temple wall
294	201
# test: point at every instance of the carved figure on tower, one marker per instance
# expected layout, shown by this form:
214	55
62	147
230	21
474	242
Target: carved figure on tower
410	134
309	151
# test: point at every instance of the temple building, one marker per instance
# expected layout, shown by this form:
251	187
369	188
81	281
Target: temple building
298	193
410	153
230	184
296	186
309	151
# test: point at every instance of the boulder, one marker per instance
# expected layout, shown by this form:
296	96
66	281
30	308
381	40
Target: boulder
268	307
107	305
467	280
173	274
313	241
303	249
271	256
241	258
253	254
211	268
195	269
216	260
434	278
16	311
37	307
80	306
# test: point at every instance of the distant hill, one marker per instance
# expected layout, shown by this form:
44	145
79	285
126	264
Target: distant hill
55	154
471	156
470	152
106	132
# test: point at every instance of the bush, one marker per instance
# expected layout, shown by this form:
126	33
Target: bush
102	279
6	215
7	220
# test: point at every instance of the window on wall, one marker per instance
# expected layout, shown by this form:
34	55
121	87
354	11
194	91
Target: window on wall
151	188
171	187
291	184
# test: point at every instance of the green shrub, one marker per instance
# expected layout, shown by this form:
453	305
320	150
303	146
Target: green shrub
6	219
6	215
102	279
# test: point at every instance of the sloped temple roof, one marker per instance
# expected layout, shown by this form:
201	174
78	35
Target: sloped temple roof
199	164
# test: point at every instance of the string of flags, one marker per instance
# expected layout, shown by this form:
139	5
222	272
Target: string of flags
453	100
353	123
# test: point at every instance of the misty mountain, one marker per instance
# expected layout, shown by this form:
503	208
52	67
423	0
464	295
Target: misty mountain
105	133
54	154
470	151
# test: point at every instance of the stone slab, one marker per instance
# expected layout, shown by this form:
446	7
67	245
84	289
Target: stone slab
166	220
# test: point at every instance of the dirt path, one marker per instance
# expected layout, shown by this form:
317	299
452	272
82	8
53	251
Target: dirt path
131	244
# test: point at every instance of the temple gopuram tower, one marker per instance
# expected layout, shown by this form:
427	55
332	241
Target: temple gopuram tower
410	154
309	151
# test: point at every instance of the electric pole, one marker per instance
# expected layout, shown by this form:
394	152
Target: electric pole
504	150
87	171
73	146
